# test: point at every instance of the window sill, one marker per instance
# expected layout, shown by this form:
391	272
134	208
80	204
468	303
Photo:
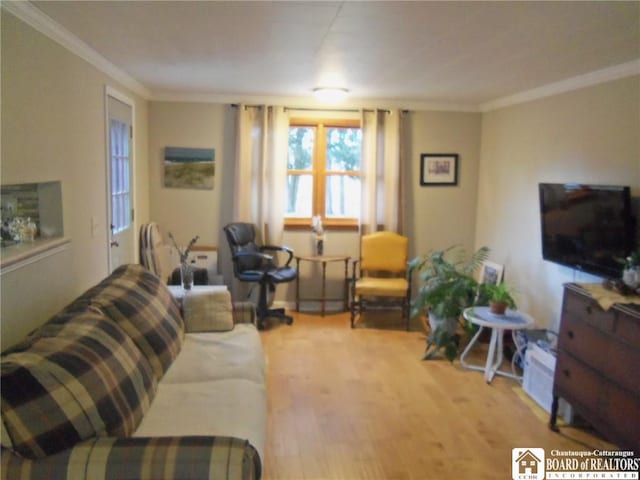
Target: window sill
306	226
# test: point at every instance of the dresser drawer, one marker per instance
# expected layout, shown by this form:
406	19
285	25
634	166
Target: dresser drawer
579	382
587	309
597	369
627	329
611	409
622	412
617	361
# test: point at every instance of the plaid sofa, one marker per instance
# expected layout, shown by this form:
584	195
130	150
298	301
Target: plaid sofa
76	390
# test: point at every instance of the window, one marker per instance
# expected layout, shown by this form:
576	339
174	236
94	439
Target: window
323	172
120	176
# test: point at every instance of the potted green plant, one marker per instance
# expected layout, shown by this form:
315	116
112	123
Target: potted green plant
500	297
447	288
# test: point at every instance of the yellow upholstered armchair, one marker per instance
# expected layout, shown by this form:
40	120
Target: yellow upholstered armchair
381	277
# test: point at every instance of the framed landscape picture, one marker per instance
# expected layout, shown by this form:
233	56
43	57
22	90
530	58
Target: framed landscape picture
189	167
438	169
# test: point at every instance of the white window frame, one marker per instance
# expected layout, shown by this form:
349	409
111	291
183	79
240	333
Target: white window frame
120	163
320	173
112	92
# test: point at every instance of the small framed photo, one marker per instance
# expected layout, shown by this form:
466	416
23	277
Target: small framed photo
491	273
438	169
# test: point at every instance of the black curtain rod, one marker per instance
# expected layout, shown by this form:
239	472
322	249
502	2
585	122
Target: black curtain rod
307	109
350	110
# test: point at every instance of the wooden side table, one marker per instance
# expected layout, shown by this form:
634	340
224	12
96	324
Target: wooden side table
323	260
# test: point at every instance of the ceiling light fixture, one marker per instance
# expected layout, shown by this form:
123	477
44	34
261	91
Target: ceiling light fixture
330	94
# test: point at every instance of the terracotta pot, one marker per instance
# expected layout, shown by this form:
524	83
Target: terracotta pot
498	307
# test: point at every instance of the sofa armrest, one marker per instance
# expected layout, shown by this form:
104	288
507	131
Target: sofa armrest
244	312
109	458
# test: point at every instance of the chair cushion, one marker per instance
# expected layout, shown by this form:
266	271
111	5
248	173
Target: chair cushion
242	239
252	258
384	251
282	274
382	287
145	309
154	253
79	377
250	275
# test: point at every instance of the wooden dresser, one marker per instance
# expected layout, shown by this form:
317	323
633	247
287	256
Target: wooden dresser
598	366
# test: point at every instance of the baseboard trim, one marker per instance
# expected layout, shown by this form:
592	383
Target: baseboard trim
310	306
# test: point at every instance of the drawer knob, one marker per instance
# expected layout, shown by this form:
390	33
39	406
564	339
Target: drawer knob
566	373
570	334
589	310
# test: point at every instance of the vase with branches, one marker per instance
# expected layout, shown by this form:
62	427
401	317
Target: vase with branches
186	269
319	235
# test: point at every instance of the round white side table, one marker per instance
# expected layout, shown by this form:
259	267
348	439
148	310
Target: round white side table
512	320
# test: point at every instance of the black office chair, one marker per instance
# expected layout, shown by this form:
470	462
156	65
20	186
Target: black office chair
251	264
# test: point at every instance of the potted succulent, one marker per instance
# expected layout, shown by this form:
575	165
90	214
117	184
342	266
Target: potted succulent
447	288
500	297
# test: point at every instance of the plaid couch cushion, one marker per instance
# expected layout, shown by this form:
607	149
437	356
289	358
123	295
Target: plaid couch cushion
167	458
80	376
143	306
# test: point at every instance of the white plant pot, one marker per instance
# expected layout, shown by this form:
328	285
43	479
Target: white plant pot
449	324
631	277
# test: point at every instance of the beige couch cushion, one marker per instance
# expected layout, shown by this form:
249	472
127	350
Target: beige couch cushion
237	353
216	386
233	407
207	311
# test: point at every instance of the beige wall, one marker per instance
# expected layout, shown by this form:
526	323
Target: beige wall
188	212
441	216
589	135
53	128
436	216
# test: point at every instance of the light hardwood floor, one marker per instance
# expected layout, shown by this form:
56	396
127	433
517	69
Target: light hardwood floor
360	404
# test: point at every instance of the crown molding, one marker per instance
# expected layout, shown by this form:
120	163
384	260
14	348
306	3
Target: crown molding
44	24
592	78
309	102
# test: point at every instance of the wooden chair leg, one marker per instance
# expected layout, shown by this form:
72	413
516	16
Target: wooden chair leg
407	312
353	313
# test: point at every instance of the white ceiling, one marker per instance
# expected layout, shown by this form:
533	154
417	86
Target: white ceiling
447	53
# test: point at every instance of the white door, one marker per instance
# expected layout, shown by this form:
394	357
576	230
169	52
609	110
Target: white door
120	180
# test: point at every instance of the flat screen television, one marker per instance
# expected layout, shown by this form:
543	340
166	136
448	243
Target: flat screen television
587	227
